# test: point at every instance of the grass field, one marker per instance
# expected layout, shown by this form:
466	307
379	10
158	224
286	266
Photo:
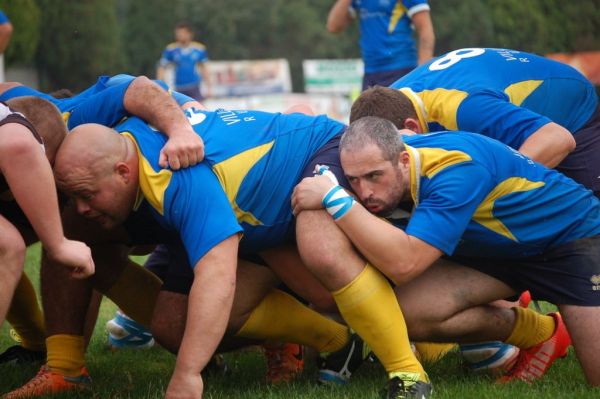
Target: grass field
145	374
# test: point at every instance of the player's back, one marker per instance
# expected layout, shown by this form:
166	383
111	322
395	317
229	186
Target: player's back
544	86
523	208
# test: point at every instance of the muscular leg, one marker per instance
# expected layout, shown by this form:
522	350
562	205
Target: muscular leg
583	323
286	263
168	322
448	303
12	258
365	299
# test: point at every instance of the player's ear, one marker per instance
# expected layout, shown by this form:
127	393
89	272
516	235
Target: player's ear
123	170
412	124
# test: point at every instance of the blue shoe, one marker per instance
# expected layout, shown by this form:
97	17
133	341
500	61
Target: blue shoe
124	332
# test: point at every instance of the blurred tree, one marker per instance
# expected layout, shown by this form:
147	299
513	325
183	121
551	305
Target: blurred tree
80	41
238	29
146	29
24	15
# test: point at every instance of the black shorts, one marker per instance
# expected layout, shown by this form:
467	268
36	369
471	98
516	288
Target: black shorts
565	275
583	164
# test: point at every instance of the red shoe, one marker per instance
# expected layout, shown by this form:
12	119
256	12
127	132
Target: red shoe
284	362
48	382
533	363
525	299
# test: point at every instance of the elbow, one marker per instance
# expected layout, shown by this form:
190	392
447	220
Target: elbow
403	272
334	28
570	144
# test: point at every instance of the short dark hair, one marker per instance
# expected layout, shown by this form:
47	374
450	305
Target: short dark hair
383	102
45	118
373	130
184	25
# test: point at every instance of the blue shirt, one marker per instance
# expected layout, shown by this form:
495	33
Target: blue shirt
386	31
503	94
102	103
185	60
252	162
480	198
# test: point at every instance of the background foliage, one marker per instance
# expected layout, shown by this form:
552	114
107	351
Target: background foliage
72	41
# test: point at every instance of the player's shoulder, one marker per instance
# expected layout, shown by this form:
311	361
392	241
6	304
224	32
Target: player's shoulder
172	46
198	45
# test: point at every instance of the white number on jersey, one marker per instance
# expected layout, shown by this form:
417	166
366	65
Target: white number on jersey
453	57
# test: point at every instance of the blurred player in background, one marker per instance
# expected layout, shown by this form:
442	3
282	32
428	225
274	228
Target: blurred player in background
189	60
386	35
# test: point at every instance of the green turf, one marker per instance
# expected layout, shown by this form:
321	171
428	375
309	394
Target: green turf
145	374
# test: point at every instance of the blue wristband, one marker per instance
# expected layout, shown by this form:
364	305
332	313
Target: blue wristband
337	202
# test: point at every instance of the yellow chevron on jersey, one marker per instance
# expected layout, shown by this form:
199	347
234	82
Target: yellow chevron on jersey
518	92
153	184
484	214
397	13
231	173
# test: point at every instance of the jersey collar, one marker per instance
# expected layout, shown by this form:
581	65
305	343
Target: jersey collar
415	173
418	105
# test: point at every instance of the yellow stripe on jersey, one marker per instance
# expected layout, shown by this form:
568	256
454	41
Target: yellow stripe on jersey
484	213
419	107
442	105
153	184
65	116
397	13
432	161
231	172
518	92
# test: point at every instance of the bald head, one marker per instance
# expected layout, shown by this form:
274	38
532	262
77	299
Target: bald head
92	148
97	168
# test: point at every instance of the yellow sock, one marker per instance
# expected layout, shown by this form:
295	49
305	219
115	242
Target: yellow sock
25	316
135	292
431	352
370	307
65	354
280	317
531	328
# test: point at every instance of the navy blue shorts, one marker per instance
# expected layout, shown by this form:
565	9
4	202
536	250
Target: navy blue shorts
565	275
583	164
385	78
193	92
170	263
328	155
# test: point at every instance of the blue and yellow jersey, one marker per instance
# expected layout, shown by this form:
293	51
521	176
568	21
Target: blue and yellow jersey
101	103
503	94
252	162
386	33
478	197
185	60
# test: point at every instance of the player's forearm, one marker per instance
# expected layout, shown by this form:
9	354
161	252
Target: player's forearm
209	306
426	36
29	176
339	16
150	102
549	145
